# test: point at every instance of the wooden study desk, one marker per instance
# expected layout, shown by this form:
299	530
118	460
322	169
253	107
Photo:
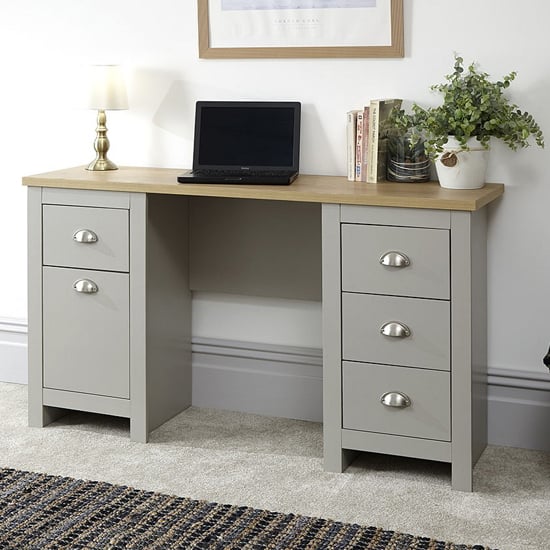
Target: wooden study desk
403	291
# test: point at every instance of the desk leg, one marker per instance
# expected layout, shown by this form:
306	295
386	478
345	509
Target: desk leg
160	312
469	349
335	458
138	430
40	416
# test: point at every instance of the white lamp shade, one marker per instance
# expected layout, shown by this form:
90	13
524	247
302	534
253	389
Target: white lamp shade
107	90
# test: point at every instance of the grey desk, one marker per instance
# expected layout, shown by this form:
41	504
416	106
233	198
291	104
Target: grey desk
403	291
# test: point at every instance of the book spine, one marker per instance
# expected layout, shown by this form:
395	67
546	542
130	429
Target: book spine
365	148
372	147
351	142
359	147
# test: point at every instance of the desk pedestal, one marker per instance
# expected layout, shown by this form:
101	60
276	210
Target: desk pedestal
123	346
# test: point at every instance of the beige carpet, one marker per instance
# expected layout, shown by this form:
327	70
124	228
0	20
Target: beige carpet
276	464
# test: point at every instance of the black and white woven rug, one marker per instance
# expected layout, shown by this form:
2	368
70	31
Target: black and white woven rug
39	511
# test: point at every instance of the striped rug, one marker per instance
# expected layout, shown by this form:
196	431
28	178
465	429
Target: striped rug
39	511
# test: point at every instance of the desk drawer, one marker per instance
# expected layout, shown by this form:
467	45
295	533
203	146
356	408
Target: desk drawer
428	321
86	335
427	414
66	230
426	276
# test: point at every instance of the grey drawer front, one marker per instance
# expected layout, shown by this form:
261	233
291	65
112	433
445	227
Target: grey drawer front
86	336
427	416
428	345
86	197
403	217
427	276
110	252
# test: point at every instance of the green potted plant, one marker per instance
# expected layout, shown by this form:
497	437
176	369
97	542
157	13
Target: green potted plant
457	133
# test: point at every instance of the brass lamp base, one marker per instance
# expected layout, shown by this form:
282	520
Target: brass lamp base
102	164
101	145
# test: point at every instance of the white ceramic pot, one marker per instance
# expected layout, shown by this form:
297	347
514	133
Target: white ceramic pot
457	169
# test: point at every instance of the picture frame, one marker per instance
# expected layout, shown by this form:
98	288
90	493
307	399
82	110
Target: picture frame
213	45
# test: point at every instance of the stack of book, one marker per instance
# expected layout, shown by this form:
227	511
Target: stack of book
367	140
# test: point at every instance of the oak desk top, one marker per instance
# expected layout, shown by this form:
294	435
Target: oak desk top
306	188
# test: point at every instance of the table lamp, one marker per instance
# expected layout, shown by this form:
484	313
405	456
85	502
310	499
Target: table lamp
107	91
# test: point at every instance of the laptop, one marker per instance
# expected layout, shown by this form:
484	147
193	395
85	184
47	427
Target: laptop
245	142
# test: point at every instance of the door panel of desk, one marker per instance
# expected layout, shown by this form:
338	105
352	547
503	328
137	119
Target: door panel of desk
86	334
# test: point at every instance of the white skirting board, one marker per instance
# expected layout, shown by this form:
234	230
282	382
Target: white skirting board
13	351
258	378
519	408
286	381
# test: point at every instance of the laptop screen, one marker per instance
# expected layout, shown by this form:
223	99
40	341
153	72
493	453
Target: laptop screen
242	135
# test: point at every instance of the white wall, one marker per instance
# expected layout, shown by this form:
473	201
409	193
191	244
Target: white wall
45	45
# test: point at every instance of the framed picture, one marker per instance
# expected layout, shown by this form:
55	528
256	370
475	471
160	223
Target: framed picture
300	28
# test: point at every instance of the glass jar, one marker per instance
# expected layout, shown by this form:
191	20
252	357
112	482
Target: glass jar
406	160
